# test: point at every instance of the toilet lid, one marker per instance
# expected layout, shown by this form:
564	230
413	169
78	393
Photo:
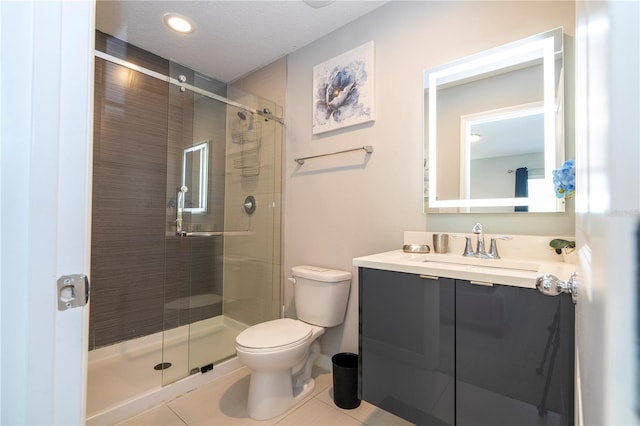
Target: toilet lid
272	334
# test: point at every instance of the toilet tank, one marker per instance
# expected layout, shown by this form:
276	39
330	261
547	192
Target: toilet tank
321	294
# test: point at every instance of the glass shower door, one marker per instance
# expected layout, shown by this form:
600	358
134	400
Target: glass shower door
219	254
252	271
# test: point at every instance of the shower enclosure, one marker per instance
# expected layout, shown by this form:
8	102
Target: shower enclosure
186	222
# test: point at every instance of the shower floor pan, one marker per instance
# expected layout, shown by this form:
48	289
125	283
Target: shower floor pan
120	374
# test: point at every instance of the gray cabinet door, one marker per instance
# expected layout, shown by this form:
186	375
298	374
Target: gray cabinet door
407	343
514	356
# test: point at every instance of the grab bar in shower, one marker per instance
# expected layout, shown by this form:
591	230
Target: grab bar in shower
367	148
202	234
215	233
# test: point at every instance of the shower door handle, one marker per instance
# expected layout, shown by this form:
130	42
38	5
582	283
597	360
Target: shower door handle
73	291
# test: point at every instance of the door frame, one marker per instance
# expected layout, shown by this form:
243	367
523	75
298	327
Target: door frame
607	103
45	204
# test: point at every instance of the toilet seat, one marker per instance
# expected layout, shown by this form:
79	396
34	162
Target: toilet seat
275	335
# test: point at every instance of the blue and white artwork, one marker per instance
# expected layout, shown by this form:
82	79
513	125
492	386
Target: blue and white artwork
343	90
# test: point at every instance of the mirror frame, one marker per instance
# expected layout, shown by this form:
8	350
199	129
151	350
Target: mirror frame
547	46
203	177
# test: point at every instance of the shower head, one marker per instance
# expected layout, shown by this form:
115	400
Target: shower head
243	117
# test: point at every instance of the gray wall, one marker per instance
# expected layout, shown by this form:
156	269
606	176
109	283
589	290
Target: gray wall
137	263
342	207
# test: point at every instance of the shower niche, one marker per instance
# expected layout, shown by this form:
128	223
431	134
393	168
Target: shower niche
179	267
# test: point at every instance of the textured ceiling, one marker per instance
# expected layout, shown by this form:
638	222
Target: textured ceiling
232	38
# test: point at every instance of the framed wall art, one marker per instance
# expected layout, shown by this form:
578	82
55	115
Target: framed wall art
343	90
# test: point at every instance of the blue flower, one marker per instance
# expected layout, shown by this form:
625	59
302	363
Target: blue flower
564	179
337	96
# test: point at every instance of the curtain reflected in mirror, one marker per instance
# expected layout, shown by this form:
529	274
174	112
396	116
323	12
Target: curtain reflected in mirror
522	187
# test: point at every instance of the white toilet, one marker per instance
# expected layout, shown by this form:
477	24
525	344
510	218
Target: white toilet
281	353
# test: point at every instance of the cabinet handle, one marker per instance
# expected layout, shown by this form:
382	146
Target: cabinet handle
429	277
484	283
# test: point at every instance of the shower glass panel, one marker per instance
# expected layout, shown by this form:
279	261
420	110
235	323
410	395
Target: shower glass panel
166	304
252	267
222	269
127	242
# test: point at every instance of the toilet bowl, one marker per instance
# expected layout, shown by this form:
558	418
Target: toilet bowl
281	353
275	384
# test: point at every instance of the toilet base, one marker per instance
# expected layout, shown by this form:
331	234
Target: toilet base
271	394
280	379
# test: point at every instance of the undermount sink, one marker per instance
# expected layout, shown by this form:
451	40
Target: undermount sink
520	265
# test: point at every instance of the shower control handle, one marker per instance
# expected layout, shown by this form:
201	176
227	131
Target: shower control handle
249	204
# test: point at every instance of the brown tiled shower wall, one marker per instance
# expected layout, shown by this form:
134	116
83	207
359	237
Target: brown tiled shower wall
138	265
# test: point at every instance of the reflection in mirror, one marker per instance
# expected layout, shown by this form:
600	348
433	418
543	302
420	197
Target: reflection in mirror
494	129
195	165
489	154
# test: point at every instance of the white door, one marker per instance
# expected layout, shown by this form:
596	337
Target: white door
607	210
46	114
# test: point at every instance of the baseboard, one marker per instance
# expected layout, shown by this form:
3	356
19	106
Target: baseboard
324	361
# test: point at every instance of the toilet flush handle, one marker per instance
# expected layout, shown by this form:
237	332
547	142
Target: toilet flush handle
293	280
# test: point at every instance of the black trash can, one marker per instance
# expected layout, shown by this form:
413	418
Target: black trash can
345	380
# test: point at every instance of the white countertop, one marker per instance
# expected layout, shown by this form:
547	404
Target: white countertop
507	271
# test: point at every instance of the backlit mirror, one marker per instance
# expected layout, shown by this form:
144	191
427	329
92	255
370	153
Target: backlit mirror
195	165
494	129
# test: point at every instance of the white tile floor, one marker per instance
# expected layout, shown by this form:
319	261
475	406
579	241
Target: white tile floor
223	402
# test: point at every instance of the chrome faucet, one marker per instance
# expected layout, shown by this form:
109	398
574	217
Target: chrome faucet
468	247
480	251
493	248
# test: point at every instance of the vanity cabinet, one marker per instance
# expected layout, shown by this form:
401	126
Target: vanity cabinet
439	351
407	345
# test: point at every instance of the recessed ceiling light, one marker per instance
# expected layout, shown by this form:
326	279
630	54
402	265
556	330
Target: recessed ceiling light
178	23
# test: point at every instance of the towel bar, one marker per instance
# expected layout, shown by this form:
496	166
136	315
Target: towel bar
367	148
